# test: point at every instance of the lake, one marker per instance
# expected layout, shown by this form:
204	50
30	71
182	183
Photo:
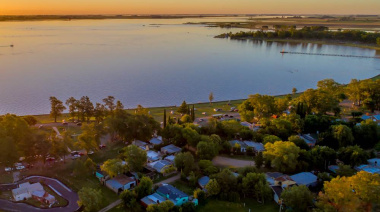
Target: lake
156	63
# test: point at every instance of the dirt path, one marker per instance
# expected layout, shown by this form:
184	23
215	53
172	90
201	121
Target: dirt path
229	162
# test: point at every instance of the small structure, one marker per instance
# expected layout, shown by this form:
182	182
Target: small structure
143	145
160	165
284	181
365	117
156	140
170	150
241	144
305	178
152	200
43	197
25	191
170	158
153	156
101	175
173	194
373	166
309	139
271	176
121	183
257	147
202	182
333	168
374	162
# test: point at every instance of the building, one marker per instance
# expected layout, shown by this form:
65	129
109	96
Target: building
277	190
305	178
143	145
152	200
374	162
101	175
153	156
121	183
25	191
173	194
309	139
365	117
202	182
170	150
237	143
257	147
160	166
247	124
156	140
43	197
333	168
271	176
170	158
373	166
284	181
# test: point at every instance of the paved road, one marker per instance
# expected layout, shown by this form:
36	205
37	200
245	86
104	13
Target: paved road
118	202
59	187
224	161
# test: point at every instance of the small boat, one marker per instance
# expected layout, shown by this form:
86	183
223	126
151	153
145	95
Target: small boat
283	51
11	45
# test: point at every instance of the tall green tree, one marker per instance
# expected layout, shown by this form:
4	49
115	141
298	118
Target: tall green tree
183	109
256	186
135	157
129	199
299	198
72	103
144	188
343	135
164	118
90	137
90	198
110	103
184	162
86	108
212	188
113	167
57	107
283	155
99	112
211	97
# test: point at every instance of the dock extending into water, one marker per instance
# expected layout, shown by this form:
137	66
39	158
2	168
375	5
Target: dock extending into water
332	55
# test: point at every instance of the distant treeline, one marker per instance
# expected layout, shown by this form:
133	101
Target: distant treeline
78	17
313	32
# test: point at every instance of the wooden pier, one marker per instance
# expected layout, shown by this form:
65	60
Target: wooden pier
332	55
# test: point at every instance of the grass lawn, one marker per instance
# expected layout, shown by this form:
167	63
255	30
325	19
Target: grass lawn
184	186
162	177
6	178
6	195
224	206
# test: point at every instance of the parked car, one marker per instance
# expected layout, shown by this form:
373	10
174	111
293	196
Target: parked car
50	159
81	153
101	146
90	152
74	153
8	169
79	124
75	156
20	167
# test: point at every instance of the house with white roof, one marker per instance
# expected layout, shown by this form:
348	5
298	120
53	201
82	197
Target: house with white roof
153	156
25	191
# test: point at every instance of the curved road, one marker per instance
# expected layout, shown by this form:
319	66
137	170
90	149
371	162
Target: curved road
59	188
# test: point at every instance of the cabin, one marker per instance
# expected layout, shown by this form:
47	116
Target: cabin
121	183
237	143
152	199
202	182
170	150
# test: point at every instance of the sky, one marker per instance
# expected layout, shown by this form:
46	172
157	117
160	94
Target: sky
59	7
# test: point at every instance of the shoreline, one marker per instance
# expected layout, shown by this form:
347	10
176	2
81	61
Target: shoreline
157	112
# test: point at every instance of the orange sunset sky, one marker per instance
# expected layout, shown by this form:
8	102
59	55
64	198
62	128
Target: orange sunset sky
47	7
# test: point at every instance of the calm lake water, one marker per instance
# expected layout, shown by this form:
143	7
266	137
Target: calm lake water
155	63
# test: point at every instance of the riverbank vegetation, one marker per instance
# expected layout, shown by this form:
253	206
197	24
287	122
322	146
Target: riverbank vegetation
313	32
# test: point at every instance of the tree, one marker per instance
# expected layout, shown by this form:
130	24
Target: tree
135	157
212	188
110	103
191	136
183	109
144	188
184	162
186	119
113	167
283	155
294	91
299	142
164	118
322	156
345	171
206	150
367	134
318	101
31	120
226	180
188	207
201	196
90	198
299	198
90	137
357	193
129	199
90	165
211	97
259	160
165	206
353	155
343	135
57	108
259	106
72	103
99	112
256	186
271	139
207	167
86	108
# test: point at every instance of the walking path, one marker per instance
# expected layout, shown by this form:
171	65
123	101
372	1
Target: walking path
230	162
55	184
118	202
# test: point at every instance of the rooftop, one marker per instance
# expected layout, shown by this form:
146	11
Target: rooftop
274	175
153	199
203	181
170	149
171	192
139	143
159	165
304	178
123	180
170	158
152	155
257	146
277	190
155	141
241	143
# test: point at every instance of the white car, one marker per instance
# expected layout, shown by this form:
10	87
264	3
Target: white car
76	156
20	167
8	169
90	152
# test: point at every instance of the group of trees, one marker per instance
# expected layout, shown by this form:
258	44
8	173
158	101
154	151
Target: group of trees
313	32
